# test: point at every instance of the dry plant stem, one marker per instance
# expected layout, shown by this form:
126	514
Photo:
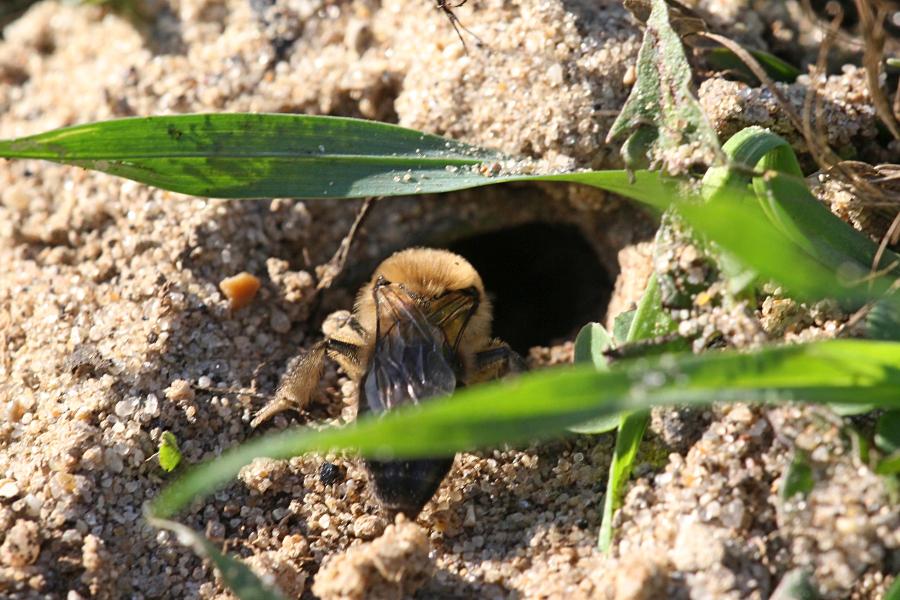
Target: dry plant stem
872	27
843	37
890	237
897	102
812	103
861	314
761	74
330	270
815	140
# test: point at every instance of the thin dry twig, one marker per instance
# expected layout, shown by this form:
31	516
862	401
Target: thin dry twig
872	26
890	237
863	312
760	74
842	36
328	272
812	102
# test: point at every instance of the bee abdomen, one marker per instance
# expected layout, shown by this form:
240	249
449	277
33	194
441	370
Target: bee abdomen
405	486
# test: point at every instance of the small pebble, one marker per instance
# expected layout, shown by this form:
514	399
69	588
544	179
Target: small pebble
368	527
8	488
240	289
125	408
22	545
330	473
179	391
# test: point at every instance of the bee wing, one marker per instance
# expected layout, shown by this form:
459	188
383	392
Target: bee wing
452	311
412	360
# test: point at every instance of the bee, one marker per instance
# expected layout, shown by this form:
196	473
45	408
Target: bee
420	329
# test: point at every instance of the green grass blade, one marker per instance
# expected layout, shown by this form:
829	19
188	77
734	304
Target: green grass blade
890	465
628	439
893	592
590	344
650	320
887	432
763	248
236	575
883	321
786	200
242	155
249	155
796	584
799	477
804	219
540	405
622	324
726	198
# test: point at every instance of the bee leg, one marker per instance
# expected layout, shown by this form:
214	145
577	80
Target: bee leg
447	9
345	344
497	360
297	385
299	382
346	355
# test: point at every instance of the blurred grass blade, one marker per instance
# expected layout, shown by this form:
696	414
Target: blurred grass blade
590	345
887	432
784	192
628	439
621	325
796	584
242	155
650	320
777	69
883	321
889	465
893	592
725	199
539	405
765	161
798	479
236	575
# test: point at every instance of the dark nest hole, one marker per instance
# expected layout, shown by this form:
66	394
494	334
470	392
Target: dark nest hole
545	281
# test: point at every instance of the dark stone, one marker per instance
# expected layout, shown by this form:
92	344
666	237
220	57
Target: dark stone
330	473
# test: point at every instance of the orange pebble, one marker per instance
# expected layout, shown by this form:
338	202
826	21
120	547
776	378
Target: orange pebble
240	289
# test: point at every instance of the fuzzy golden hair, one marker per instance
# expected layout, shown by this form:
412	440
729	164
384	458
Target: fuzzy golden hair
429	273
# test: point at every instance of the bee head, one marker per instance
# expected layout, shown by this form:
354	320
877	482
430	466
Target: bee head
443	285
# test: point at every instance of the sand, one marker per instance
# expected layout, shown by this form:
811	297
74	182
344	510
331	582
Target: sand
110	313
